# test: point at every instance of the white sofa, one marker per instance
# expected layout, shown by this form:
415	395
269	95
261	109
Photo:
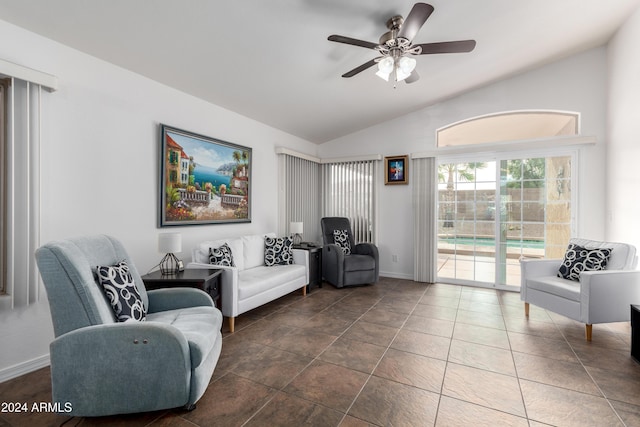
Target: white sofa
598	297
251	283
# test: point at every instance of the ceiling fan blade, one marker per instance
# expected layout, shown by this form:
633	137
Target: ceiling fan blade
360	68
413	77
447	47
415	20
349	40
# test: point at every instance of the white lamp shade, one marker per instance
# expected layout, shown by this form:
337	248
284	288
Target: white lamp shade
170	243
407	64
386	65
382	75
296	227
405	67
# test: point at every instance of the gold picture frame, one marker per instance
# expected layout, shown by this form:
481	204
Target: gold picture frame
396	170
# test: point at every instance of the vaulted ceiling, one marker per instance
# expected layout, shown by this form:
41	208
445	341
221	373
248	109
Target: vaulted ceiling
271	61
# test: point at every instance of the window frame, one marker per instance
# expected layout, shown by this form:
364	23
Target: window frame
572	152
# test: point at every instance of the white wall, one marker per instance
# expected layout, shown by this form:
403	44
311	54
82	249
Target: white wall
100	166
577	84
623	147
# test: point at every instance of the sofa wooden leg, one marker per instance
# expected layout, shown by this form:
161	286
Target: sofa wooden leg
589	331
304	291
232	321
526	309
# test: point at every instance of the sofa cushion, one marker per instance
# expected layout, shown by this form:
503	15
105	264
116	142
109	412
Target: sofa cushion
557	286
253	247
221	255
256	280
201	253
278	251
199	325
122	292
355	262
578	259
341	238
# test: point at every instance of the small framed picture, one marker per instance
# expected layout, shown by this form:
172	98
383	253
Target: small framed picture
396	170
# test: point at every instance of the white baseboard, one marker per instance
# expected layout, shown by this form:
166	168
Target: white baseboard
24	368
396	275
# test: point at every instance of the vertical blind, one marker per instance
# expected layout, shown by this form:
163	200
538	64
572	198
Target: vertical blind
349	190
21	192
424	219
299	195
4	96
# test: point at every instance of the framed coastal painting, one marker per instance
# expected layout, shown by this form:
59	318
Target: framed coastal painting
203	180
396	170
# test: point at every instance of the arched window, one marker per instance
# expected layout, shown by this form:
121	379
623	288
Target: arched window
509	126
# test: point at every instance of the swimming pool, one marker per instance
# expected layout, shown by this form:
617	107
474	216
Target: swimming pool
486	241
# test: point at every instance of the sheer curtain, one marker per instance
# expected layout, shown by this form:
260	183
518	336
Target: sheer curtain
424	176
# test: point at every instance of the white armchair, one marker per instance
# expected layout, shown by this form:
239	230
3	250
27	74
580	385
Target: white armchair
598	297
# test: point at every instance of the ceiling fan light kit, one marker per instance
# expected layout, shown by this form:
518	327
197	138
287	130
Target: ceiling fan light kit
397	48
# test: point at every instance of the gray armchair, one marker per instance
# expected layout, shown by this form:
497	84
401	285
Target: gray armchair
100	366
358	268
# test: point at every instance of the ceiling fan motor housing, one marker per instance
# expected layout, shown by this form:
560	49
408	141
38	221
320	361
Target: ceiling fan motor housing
393	24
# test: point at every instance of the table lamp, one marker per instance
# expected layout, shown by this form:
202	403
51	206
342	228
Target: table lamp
295	228
169	244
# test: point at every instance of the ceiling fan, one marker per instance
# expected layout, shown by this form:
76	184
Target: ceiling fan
397	48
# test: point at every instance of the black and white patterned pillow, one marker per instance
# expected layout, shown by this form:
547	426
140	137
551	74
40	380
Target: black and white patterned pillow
118	285
578	259
221	256
278	251
341	238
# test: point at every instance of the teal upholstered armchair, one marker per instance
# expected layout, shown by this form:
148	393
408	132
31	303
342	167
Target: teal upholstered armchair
102	366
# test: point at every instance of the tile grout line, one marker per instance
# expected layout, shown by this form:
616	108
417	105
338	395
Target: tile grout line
316	358
446	362
281	389
604	396
515	368
382	356
479	368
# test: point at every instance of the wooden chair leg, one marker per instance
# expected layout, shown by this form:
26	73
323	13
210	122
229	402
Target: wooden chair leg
526	309
232	324
589	331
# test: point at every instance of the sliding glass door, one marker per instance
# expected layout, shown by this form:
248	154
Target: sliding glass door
493	212
467	221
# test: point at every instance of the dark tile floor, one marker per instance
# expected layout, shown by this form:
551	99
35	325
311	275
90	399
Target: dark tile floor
398	353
